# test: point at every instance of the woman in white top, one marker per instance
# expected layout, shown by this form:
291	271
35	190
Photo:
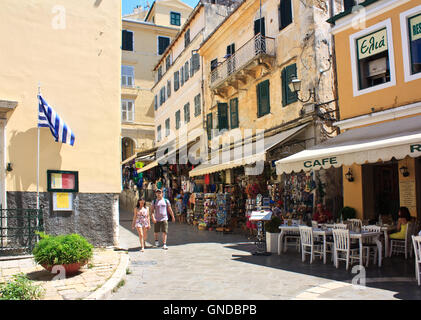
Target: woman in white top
142	222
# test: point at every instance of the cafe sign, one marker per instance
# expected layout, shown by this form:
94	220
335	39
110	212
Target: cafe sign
320	162
372	44
415	27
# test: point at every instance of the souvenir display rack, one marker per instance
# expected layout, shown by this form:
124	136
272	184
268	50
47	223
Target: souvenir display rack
223	202
210	210
199	206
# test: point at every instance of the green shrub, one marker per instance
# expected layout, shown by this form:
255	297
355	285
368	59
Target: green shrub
21	288
347	213
272	226
63	249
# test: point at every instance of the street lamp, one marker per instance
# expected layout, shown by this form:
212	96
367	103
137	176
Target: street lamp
295	86
404	171
349	176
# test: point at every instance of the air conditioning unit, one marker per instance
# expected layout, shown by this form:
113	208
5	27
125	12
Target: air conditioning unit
377	67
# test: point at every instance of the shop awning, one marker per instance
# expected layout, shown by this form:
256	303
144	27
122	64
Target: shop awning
128	159
270	142
148	166
380	142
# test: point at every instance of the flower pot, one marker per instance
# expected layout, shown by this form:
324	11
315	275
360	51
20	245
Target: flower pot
70	268
272	242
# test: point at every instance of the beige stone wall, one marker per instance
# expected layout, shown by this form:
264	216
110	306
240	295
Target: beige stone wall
73	49
163	9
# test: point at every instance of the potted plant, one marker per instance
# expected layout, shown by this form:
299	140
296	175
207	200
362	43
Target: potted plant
71	251
272	233
347	213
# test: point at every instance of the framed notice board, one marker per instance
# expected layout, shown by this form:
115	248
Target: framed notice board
62	181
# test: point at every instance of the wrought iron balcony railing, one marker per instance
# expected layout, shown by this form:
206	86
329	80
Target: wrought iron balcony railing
256	47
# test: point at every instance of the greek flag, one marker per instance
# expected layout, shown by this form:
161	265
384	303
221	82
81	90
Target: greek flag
47	117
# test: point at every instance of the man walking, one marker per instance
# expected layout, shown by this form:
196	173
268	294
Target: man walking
159	212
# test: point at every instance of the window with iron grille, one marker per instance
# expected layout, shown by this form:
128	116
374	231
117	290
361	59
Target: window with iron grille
127	40
127	76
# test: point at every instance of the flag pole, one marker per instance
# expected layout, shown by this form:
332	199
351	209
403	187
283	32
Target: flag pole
39	93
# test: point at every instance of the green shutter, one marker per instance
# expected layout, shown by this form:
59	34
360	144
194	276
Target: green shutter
234	113
284	85
177	119
197	109
290	71
209	125
263	98
176	80
222	116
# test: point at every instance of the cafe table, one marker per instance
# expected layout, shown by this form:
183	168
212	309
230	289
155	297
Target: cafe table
361	236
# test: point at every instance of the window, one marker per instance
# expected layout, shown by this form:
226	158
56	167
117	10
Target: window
187	112
159	73
196	62
127	40
175	18
214	64
167	62
191	67
187	38
209	126
127	110
288	73
186	71
222	116
162	96
197	108
182	76
348	4
163	43
214	71
176	80
169	88
263	99
372	59
234	113
415	43
167	127
127	76
411	42
156	103
159	133
177	120
284	13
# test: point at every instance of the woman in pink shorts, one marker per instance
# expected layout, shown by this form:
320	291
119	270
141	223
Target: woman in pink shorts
142	222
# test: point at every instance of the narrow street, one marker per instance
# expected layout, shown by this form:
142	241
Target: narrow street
207	265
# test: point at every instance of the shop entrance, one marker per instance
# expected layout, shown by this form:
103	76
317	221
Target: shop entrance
380	190
418	186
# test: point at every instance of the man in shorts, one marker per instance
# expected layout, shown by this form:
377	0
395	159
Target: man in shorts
159	213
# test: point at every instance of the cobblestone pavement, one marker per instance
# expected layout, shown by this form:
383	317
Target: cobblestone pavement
210	265
90	277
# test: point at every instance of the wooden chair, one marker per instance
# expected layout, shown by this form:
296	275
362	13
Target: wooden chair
309	243
403	245
342	226
354	224
416	241
369	244
314	224
289	235
343	245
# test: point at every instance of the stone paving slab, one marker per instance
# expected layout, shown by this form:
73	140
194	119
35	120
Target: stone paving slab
90	278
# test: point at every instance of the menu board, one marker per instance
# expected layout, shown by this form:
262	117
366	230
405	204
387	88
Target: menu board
407	194
62	181
62	201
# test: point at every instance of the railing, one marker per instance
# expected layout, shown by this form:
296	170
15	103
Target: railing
253	48
18	230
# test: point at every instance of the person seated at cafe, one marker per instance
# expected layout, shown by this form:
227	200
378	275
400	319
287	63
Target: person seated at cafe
322	215
404	218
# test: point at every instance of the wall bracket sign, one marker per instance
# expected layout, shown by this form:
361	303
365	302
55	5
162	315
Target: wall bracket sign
62	181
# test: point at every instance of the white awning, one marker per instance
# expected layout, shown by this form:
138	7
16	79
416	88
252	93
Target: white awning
270	142
148	166
128	159
380	142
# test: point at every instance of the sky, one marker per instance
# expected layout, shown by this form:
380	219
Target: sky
128	5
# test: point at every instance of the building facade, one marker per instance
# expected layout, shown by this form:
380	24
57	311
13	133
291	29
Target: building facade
66	49
145	36
379	46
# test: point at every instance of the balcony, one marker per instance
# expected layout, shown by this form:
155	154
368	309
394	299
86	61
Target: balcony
235	70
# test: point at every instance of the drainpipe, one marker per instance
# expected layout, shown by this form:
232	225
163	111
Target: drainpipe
334	75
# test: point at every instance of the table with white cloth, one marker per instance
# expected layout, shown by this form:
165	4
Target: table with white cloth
361	236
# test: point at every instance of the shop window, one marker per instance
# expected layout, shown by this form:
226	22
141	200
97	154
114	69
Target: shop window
187	112
127	76
176	80
284	13
263	98
175	18
177	120
373	59
414	26
209	125
167	127
158	133
197	107
222	116
234	113
127	110
163	43
127	40
287	74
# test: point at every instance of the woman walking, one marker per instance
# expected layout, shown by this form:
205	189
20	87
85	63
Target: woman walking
142	222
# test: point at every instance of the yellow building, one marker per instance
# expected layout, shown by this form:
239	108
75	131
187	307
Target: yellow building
249	62
145	36
378	49
70	48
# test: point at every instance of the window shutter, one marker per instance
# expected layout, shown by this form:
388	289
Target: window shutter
169	88
263	98
197	109
209	125
127	40
182	76
176	80
186	71
196	62
177	119
187	113
348	4
156	102
285	14
290	71
222	116
234	113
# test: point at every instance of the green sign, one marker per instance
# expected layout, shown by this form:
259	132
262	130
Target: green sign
319	162
372	44
415	26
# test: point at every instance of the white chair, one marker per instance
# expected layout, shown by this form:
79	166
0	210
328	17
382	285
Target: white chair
403	245
342	226
343	245
416	240
308	242
314	224
290	235
370	243
355	224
